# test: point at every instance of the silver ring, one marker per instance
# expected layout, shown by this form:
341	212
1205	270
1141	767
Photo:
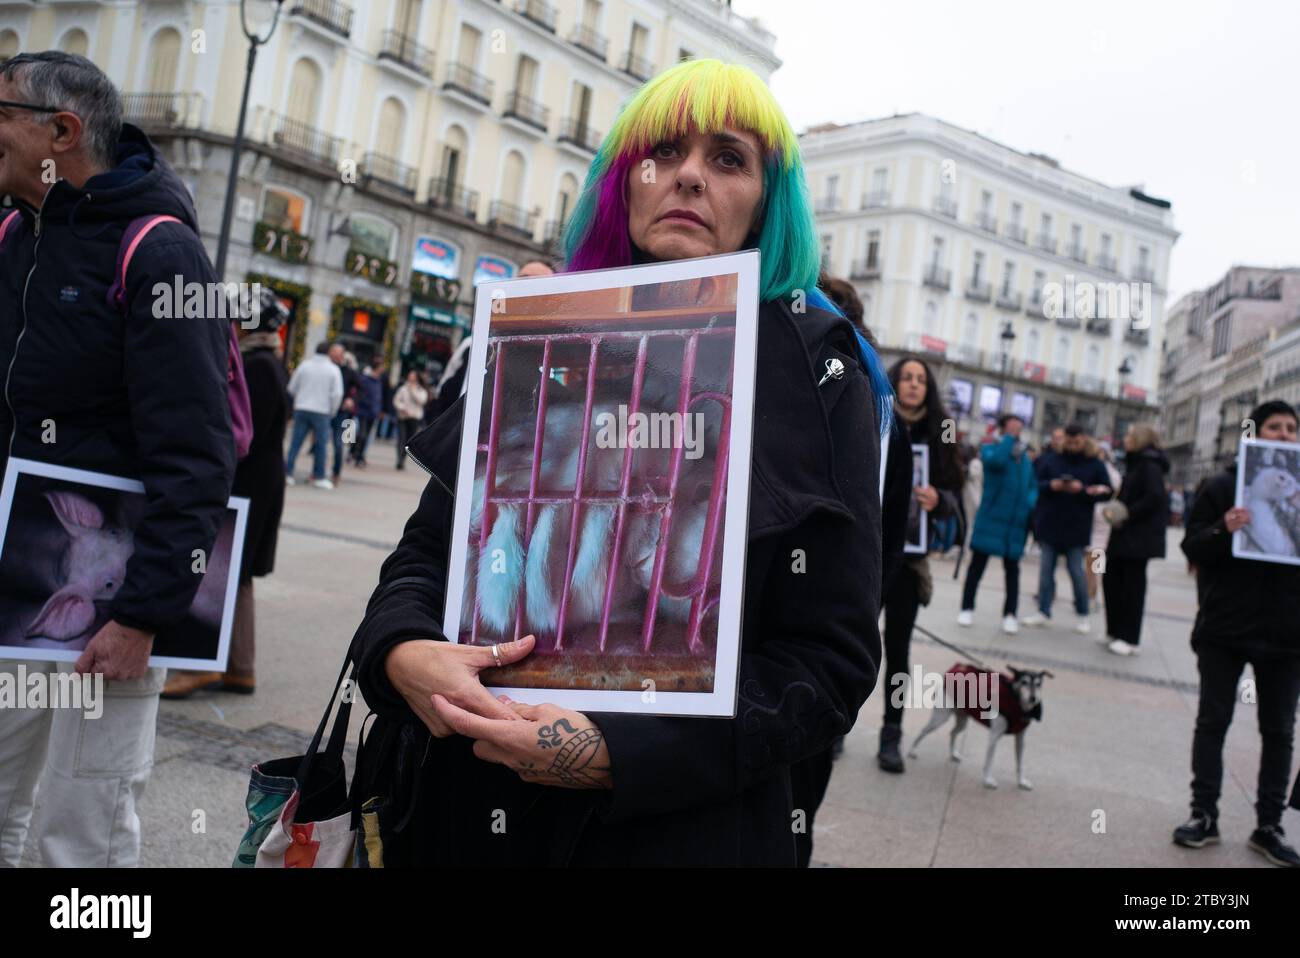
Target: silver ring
496	655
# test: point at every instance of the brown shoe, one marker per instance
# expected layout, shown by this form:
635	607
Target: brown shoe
235	682
181	685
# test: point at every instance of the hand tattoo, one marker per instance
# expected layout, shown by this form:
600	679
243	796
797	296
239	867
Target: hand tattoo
548	736
572	764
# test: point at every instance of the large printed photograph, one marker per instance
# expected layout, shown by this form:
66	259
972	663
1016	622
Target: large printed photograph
603	484
1268	486
66	536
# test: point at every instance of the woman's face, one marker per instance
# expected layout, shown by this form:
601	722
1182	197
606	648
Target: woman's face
1130	440
912	386
702	198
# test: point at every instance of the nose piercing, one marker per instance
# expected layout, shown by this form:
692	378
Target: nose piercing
834	370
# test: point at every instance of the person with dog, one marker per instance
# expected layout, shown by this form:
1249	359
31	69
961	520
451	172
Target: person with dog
1139	520
654	789
117	389
922	420
1070	484
1002	519
1248	611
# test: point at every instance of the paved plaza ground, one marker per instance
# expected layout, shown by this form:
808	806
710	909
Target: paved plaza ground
1109	762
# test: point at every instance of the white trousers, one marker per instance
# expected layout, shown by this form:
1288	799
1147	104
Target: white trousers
90	773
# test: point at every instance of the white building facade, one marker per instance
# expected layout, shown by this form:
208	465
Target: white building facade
1029	286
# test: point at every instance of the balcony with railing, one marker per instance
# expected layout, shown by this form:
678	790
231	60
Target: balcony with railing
553	233
875	200
304	140
1045	242
1034	308
1069	322
507	217
937	277
576	131
1139	337
333	16
1009	300
527	110
397	47
162	111
826	204
452	197
539	12
986	221
1144	274
466	82
868	268
1016	233
946	206
1106	262
636	65
1098	326
978	291
1077	253
385	169
585	38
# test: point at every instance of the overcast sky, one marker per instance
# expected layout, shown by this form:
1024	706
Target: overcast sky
1198	100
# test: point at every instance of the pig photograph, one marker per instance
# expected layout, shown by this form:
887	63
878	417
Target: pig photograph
599	489
64	548
1268	484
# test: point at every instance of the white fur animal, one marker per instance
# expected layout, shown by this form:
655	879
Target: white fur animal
1265	531
1024	692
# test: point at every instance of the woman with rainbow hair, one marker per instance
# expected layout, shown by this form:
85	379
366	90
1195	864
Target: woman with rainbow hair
701	161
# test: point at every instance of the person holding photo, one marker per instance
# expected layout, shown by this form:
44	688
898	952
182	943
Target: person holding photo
700	162
1248	612
922	420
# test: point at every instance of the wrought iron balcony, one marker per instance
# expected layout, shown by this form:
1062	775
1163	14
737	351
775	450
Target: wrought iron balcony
161	111
1069	322
1098	326
938	277
445	194
1045	242
1016	232
588	39
330	14
553	233
868	268
1009	300
464	80
541	13
979	292
875	200
636	65
303	139
1106	262
400	48
826	204
986	221
377	166
1034	309
577	132
508	217
946	206
1077	253
1141	337
1144	274
527	110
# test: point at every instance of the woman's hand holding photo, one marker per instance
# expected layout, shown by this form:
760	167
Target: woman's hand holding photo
422	668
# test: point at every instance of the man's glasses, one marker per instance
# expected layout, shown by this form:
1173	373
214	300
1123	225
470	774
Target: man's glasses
34	107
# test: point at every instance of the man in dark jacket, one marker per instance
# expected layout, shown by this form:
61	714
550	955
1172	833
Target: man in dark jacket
118	391
1248	611
685	791
1069	485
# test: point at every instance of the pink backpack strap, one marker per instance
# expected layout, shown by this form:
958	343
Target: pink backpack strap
135	233
9	223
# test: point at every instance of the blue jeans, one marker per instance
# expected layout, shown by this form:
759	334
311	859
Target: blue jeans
1047	577
319	424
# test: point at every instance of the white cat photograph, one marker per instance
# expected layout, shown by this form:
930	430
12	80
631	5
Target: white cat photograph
66	541
1268	486
603	483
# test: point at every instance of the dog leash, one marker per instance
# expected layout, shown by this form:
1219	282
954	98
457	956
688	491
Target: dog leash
956	648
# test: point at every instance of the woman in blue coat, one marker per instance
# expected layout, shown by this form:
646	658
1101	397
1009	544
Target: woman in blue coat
1010	492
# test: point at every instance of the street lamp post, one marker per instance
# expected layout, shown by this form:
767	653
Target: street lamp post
1008	336
255	40
1125	370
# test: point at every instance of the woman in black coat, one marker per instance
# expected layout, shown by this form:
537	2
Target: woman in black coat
1137	539
922	420
634	789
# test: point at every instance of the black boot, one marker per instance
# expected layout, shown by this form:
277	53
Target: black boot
890	759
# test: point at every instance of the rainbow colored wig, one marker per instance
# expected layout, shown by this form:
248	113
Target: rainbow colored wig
708	96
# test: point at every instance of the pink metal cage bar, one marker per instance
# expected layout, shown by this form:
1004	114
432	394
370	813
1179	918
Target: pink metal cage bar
695	589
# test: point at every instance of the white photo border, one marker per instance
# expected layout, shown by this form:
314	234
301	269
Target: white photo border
1240	550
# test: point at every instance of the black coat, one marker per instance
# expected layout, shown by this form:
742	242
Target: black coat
1064	519
134	395
686	791
1243	604
260	475
1142	536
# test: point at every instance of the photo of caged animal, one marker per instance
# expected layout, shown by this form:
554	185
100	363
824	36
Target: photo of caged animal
1268	487
626	506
